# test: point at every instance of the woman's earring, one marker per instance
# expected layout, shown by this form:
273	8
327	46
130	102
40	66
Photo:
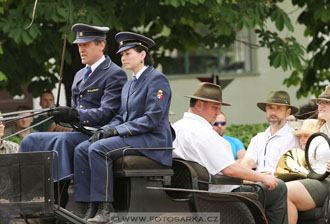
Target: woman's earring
141	61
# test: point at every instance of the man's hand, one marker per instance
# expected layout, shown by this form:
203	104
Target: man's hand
100	134
64	114
270	181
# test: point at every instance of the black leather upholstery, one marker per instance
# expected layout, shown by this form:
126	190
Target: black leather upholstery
318	215
136	165
233	207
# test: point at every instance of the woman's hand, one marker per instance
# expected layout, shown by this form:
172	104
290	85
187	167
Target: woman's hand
328	165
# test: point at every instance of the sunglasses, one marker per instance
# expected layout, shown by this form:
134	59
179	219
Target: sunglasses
217	123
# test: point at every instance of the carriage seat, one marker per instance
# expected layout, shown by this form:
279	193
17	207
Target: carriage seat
199	175
235	207
191	175
139	165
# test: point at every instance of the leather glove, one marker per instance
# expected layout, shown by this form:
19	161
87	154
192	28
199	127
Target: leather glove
96	136
64	114
110	132
100	134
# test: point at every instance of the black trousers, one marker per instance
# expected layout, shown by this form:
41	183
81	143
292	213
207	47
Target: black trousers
275	201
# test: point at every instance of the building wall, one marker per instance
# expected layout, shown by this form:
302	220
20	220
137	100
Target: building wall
36	101
245	90
9	103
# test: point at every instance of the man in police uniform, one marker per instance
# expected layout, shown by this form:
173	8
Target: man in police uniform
142	123
95	100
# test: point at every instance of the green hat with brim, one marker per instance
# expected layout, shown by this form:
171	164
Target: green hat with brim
324	95
278	98
209	92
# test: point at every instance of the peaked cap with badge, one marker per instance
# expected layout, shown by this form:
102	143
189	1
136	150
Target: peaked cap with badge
127	40
278	98
209	92
86	33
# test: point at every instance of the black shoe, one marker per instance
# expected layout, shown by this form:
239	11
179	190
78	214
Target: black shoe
103	213
91	210
47	221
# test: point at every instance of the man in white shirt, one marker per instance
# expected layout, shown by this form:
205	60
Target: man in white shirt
197	141
266	148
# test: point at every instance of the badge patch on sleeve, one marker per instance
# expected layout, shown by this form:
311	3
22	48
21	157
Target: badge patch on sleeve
160	94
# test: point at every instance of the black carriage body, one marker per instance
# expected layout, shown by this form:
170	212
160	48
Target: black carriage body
26	184
140	185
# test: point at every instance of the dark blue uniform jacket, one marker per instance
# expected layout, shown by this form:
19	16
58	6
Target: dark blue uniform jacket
98	99
143	120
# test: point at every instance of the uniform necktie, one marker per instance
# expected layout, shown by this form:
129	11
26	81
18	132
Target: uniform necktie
88	71
132	87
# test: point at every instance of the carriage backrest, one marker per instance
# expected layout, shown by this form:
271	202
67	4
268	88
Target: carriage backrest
189	175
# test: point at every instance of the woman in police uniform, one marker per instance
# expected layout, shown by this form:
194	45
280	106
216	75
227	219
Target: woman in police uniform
142	123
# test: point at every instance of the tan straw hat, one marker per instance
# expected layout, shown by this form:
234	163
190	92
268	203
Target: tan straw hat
209	92
309	126
324	96
278	98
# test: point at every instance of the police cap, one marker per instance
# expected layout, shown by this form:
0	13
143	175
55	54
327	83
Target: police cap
86	33
127	40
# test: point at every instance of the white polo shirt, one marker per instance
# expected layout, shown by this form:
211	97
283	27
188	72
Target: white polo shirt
266	150
319	152
197	141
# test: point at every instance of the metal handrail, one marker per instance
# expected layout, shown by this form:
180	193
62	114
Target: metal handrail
32	126
25	111
14	118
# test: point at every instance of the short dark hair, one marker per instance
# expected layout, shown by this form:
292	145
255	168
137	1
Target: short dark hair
192	102
307	111
23	107
98	41
46	91
148	60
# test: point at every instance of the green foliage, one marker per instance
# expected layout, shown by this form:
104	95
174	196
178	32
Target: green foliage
2	2
314	74
281	19
171	23
245	132
3	78
285	53
1	51
15	139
